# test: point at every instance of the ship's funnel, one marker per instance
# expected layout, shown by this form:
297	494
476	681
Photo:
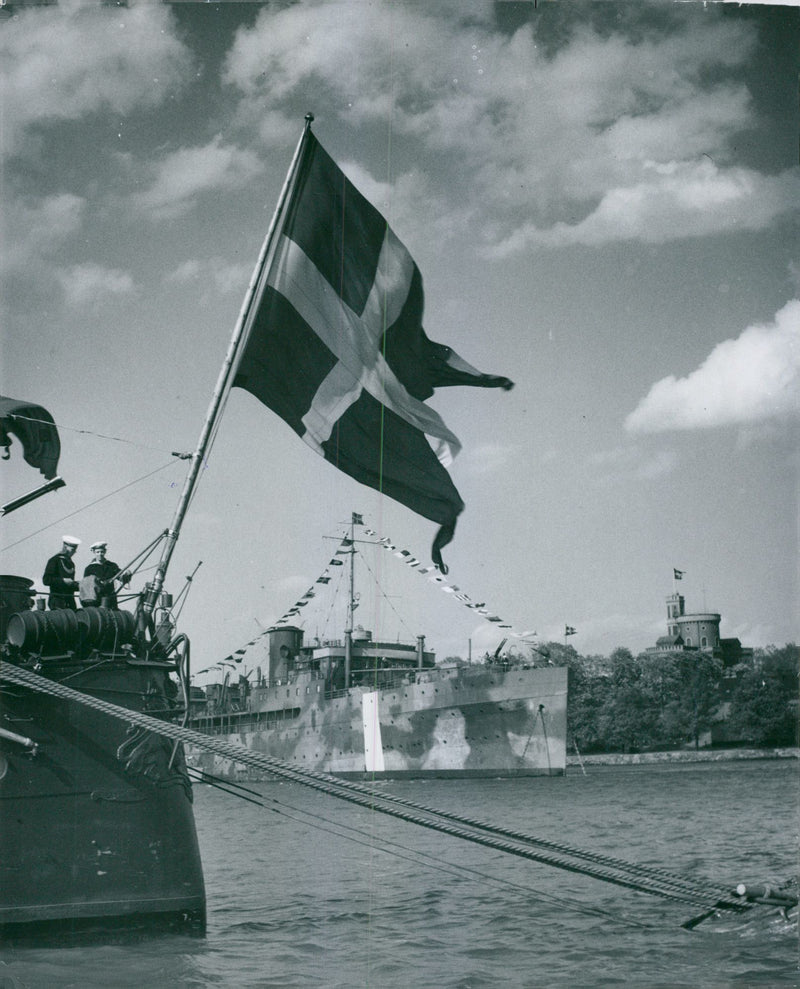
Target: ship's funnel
284	645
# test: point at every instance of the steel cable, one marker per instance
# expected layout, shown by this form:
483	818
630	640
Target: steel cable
604	868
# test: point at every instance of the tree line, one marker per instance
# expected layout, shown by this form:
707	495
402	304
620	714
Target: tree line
627	703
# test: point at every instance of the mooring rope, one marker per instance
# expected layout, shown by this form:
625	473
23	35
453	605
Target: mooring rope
644	879
398	850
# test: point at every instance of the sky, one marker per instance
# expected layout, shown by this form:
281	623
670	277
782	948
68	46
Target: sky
602	199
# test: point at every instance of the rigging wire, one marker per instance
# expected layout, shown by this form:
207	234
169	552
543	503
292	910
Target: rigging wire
212	437
90	504
383	594
90	432
178	604
630	876
335	592
328	618
403	852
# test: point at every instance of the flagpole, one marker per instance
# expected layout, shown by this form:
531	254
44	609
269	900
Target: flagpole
348	632
225	378
351	603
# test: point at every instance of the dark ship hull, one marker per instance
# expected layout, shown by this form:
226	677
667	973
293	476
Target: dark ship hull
96	824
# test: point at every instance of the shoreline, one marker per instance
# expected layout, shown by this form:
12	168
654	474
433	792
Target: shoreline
679	755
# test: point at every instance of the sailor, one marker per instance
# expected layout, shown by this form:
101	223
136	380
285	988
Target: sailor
59	575
104	572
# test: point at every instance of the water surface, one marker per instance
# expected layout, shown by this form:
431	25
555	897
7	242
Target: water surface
309	891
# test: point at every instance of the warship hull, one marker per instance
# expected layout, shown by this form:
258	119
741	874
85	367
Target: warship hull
474	721
97	831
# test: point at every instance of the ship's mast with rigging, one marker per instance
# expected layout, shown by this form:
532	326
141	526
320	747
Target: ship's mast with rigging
351	601
351	607
226	376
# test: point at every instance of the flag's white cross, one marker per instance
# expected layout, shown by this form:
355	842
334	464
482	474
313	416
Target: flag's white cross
355	342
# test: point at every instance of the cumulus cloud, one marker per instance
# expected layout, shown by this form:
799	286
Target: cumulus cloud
213	275
188	172
81	58
89	283
605	136
36	228
676	200
753	378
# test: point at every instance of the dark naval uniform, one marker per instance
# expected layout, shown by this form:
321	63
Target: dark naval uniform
59	576
104	571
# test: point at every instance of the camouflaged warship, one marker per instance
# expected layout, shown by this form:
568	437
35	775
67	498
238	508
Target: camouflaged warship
401	715
357	706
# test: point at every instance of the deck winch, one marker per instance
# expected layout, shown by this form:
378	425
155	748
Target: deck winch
51	633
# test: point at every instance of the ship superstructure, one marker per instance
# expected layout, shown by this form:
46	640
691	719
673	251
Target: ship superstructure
358	705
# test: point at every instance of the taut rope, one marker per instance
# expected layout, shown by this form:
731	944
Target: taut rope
642	878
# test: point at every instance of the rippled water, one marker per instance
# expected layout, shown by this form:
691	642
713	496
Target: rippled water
293	902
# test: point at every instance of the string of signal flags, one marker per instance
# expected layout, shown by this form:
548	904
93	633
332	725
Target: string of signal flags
408	559
431	573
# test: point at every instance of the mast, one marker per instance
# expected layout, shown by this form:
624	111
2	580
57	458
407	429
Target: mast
226	375
351	603
348	632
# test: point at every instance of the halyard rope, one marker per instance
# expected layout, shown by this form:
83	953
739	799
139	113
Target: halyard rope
645	879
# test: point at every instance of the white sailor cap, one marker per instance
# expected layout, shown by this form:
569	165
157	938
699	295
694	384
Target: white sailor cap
98	545
70	540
